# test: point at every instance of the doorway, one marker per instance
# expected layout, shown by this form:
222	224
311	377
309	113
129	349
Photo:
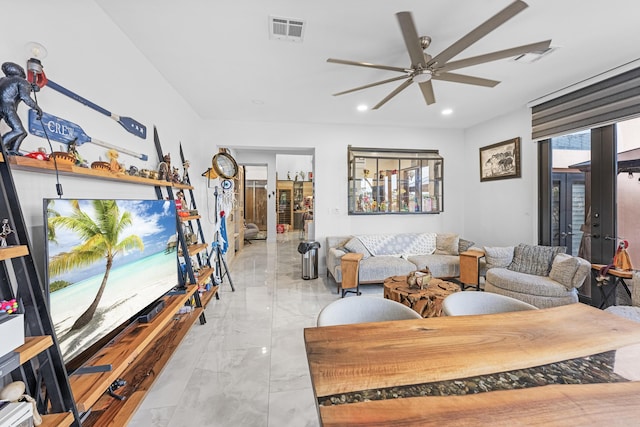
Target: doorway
255	200
593	195
295	194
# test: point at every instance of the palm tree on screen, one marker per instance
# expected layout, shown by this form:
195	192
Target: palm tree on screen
51	213
100	240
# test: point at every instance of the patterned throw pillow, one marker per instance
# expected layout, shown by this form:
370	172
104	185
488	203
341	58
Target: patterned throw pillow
563	269
355	245
498	256
534	259
419	244
464	245
447	244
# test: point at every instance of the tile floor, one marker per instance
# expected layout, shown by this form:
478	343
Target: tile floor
247	365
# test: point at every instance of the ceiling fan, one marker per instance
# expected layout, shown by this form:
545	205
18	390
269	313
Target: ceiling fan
425	68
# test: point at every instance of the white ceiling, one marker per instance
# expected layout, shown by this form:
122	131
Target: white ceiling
218	55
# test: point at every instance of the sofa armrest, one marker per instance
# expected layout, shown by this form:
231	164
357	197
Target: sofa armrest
334	256
584	268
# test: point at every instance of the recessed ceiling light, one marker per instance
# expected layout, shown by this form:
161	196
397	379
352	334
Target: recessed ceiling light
362	107
447	112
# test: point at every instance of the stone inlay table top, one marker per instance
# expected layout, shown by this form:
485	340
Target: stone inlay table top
472	369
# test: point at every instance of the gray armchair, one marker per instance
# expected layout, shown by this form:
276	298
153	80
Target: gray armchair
250	232
633	311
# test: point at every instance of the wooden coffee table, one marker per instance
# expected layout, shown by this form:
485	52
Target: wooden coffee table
427	302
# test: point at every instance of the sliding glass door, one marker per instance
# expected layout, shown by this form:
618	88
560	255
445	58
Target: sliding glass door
578	197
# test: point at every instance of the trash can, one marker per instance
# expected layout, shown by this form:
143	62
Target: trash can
309	251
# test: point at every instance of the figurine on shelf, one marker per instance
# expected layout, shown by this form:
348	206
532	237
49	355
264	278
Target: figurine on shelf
40	154
72	148
5	231
181	204
185	174
15	88
114	166
167	159
289	175
163	172
175	176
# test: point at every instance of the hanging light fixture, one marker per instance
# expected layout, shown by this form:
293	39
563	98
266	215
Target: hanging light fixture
35	72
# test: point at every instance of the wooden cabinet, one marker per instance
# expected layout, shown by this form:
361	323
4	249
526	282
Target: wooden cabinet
302	203
285	202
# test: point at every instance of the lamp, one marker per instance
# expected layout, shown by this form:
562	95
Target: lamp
35	73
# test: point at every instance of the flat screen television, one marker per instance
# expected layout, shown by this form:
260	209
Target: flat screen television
107	260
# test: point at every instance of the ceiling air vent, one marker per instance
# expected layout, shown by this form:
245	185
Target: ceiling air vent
286	29
527	58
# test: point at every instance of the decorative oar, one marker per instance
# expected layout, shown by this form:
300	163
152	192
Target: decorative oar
132	126
65	131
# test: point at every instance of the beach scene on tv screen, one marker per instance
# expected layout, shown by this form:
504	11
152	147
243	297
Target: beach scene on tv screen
107	261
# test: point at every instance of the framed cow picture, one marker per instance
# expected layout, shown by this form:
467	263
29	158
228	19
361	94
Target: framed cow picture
500	161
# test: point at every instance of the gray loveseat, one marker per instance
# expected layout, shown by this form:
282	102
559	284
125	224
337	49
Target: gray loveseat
387	255
543	276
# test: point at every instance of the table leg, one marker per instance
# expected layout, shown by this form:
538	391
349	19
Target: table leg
612	292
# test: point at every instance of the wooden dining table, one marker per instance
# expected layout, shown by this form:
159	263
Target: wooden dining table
572	365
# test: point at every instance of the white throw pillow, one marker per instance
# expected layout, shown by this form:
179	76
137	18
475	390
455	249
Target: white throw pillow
497	256
447	244
563	269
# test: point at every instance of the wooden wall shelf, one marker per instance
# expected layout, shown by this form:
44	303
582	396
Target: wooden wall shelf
141	374
88	388
195	249
57	420
207	296
204	275
33	346
9	252
141	351
48	167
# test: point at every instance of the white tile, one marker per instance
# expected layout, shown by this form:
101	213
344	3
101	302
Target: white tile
293	408
247	365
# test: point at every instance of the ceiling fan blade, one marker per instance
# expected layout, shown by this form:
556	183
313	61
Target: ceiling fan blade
482	30
411	39
393	79
399	89
427	92
368	65
494	56
470	80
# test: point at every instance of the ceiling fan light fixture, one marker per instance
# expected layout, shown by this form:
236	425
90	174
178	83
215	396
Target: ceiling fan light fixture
422	76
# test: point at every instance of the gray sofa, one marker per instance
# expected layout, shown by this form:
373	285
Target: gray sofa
542	276
387	255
